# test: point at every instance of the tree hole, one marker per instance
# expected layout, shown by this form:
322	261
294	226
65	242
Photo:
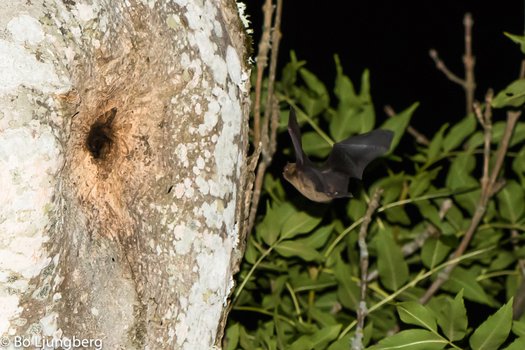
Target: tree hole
100	137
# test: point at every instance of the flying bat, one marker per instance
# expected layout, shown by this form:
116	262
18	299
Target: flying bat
347	159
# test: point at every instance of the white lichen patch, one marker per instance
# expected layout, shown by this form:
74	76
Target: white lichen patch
182	153
24	29
201	19
29	160
18	66
213	213
49	324
211	118
183	239
203	185
234	65
196	326
85	12
225	149
241	8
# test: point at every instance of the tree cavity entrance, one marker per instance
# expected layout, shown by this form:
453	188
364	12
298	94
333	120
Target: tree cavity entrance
101	135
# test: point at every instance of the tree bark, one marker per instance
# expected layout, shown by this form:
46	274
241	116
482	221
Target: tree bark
123	137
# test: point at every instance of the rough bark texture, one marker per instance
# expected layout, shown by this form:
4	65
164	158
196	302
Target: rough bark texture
122	144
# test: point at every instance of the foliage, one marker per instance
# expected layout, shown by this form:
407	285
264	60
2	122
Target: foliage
298	287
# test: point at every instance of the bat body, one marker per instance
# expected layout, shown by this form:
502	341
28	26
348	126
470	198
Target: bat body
348	159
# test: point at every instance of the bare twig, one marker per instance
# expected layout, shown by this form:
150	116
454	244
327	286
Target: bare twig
440	65
518	306
485	119
487	192
469	62
265	134
357	341
418	136
468	83
522	69
262	60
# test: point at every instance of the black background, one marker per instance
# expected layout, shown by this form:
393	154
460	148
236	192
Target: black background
392	40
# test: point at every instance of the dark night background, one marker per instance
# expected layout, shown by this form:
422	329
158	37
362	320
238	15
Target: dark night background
392	40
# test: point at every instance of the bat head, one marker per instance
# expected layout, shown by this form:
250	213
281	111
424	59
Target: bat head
303	184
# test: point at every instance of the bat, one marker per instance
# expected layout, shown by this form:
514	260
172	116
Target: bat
347	159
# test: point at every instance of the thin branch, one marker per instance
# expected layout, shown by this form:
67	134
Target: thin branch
357	341
262	60
418	136
486	193
266	134
468	83
440	65
518	306
469	61
485	119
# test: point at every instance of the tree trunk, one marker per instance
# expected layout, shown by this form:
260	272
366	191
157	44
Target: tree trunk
123	134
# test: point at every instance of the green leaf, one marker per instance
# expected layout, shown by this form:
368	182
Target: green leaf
318	238
459	177
518	39
289	75
503	259
299	223
412	339
245	340
518	165
274	187
292	248
397	215
232	336
459	132
356	209
347	290
518	328
434	149
392	268
512	96
412	312
510	201
324	318
493	332
393	185
398	124
518	344
341	344
421	182
318	340
434	252
315	99
315	145
355	113
452	317
276	215
461	278
251	253
344	89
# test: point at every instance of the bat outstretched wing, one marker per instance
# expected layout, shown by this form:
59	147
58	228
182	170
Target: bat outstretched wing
295	135
351	156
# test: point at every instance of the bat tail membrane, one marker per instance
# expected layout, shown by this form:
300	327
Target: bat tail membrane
351	156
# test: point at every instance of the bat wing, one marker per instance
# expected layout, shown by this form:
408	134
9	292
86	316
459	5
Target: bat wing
295	135
351	156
